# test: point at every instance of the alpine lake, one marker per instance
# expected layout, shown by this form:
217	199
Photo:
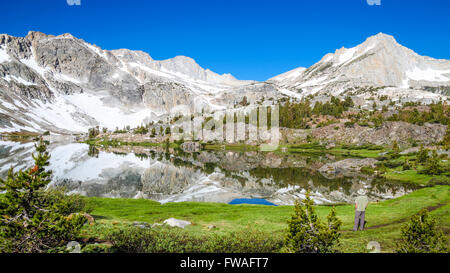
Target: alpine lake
166	174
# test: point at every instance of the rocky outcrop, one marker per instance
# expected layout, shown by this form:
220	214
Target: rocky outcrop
164	96
402	132
346	167
252	94
177	223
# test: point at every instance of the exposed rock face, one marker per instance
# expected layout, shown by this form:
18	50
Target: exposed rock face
253	94
390	131
164	96
346	167
65	76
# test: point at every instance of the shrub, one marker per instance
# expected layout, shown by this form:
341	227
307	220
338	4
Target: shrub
93	132
367	170
176	240
141	130
307	234
422	156
393	163
446	140
433	165
245	241
438	181
64	203
420	235
160	240
406	165
34	220
349	124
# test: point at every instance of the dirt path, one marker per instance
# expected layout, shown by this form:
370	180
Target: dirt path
430	208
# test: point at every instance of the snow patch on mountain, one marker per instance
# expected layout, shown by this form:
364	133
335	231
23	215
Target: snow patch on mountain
8	78
4	57
289	75
429	74
93	106
347	55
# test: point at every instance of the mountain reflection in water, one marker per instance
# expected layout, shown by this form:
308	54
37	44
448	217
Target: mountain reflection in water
168	175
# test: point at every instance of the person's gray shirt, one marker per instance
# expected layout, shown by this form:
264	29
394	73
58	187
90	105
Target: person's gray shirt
361	203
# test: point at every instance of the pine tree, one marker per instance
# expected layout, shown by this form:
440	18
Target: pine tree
422	156
433	165
31	219
307	234
420	235
395	146
407	165
446	140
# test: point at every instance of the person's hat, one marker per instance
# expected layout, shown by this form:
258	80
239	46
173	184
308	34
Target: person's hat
361	191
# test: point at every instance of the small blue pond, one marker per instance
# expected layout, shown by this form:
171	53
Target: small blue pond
252	201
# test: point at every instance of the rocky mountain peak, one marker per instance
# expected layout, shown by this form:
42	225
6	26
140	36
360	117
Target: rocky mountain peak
36	35
182	64
381	38
380	61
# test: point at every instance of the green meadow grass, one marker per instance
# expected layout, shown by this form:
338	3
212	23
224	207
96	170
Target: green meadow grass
383	218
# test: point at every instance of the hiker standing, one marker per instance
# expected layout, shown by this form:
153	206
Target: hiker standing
360	209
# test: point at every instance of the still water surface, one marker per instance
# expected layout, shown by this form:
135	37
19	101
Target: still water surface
207	176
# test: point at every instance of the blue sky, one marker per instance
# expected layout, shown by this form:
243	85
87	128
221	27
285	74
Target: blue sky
249	39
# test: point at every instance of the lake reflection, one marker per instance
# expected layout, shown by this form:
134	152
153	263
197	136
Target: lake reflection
207	176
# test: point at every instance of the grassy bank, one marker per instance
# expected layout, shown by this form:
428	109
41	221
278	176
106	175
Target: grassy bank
384	218
118	143
310	148
19	136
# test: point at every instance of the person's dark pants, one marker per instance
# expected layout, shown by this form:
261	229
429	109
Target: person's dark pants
359	220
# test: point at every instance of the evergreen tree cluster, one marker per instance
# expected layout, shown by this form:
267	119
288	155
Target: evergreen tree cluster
33	219
438	113
297	114
420	235
141	130
335	107
308	234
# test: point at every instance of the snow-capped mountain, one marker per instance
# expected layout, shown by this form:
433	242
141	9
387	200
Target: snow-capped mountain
66	85
378	62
